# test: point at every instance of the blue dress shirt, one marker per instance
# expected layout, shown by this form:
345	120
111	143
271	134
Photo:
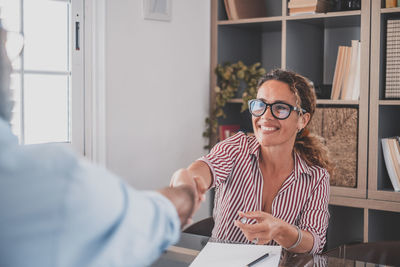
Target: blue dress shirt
58	210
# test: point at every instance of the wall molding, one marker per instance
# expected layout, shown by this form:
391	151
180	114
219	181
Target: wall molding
95	81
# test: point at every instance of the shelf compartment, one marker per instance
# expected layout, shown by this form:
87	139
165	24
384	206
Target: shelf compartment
251	44
312	45
383	225
351	228
387	128
338	126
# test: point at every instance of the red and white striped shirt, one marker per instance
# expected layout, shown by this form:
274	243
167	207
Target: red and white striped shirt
302	200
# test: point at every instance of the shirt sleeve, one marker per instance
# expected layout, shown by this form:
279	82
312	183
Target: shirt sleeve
315	217
221	158
108	223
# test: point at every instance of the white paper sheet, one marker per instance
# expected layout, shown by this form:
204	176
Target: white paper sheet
226	254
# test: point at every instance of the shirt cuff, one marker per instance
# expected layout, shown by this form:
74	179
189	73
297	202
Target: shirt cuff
317	242
171	209
206	160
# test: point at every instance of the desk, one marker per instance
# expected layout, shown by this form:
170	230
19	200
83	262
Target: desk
186	250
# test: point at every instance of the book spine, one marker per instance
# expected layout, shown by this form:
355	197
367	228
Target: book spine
389	164
357	75
352	70
395	157
227	9
346	74
391	3
233	10
335	75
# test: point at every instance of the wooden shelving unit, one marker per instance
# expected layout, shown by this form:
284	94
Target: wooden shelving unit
383	112
308	44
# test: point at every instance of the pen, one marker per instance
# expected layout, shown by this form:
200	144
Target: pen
258	260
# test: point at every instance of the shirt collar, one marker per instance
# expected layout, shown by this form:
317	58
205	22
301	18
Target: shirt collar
300	166
254	146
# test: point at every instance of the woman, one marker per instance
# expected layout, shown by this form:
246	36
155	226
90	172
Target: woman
272	187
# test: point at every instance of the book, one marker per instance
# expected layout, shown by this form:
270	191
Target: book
303	10
341	73
226	131
357	78
244	9
324	6
227	9
389	163
346	70
348	86
337	77
320	6
302	13
391	3
302	3
395	153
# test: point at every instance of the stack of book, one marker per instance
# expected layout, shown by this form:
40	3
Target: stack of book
346	80
392	87
392	3
302	7
391	154
244	9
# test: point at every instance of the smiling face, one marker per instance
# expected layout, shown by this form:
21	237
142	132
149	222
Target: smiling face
270	131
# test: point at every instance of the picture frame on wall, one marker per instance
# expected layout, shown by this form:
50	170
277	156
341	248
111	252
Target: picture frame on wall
157	9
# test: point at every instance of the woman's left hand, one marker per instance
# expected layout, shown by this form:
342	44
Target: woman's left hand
262	232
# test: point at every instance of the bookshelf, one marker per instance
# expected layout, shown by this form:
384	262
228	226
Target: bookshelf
382	111
308	44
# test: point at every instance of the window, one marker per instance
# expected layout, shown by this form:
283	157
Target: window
49	104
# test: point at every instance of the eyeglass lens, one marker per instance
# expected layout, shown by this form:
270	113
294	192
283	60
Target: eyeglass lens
279	110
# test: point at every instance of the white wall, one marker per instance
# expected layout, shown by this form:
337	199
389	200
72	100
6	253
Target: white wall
157	96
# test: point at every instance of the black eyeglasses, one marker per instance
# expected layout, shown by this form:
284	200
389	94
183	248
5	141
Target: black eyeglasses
279	110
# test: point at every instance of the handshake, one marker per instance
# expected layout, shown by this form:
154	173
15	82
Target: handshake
187	191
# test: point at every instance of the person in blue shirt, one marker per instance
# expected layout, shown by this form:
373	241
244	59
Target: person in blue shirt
59	210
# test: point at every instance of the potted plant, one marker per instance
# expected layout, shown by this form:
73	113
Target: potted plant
230	77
